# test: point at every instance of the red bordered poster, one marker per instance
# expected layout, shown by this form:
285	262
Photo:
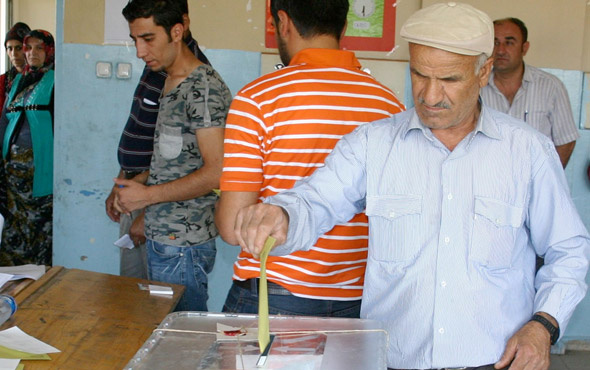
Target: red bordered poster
371	26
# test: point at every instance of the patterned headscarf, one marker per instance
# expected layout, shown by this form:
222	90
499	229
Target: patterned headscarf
48	45
32	74
17	32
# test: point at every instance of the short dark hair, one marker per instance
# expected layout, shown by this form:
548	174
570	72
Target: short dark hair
166	13
313	17
183	6
518	23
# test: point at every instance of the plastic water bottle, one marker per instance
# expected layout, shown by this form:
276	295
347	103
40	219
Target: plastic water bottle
7	307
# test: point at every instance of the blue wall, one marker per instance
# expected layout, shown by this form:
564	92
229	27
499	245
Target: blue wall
90	114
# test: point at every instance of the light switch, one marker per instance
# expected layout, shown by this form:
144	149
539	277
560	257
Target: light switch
123	70
104	69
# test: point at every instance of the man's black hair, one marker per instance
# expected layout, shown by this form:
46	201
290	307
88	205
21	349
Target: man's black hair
520	24
313	17
166	13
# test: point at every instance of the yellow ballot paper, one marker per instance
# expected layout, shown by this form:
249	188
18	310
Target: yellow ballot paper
13	353
263	324
217	191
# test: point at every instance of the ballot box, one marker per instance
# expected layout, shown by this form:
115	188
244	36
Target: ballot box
202	340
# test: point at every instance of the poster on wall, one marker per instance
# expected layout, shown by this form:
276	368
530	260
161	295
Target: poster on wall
371	26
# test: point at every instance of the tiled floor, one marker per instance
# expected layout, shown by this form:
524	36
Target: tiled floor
571	360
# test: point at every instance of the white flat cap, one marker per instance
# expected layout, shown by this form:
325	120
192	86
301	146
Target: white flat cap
455	27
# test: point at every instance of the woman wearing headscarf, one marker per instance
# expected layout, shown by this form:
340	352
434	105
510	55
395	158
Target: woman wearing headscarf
26	143
13	43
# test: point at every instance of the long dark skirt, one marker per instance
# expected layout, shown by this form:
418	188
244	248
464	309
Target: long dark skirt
28	227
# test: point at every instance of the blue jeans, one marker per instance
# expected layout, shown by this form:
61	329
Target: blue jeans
186	266
241	300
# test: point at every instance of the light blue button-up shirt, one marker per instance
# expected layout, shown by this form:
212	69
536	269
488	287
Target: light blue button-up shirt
452	235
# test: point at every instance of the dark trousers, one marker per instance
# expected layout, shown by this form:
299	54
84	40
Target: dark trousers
243	300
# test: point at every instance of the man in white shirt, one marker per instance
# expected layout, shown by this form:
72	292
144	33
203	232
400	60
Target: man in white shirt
460	198
528	93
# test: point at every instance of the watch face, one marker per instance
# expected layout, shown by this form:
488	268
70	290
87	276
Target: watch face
363	8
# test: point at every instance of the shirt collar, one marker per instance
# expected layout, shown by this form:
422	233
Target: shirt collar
415	124
485	124
527	77
326	57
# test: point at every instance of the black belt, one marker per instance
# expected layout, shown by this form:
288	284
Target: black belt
20	108
131	174
252	285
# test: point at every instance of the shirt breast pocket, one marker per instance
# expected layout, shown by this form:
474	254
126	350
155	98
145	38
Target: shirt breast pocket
170	141
394	227
495	225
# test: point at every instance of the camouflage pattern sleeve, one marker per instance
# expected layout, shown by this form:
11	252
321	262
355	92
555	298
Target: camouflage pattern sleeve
216	96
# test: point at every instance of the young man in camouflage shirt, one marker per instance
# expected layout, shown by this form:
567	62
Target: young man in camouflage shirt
188	153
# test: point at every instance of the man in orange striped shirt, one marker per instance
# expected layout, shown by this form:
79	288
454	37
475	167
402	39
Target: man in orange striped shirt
279	130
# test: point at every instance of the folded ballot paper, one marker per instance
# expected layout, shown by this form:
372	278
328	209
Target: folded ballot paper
124	242
8	273
16	345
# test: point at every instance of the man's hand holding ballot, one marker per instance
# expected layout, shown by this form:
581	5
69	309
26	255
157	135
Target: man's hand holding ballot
257	222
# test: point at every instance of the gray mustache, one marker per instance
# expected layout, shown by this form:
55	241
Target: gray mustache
440	104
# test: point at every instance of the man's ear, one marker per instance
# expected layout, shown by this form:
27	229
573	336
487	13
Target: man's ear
525	48
283	27
177	32
484	72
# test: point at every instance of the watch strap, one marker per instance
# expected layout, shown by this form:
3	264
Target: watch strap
552	329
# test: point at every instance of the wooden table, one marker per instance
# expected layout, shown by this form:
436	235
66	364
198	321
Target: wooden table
98	321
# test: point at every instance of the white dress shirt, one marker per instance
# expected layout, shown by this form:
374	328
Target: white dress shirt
452	235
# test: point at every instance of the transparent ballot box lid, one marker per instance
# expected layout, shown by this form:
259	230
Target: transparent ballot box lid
201	340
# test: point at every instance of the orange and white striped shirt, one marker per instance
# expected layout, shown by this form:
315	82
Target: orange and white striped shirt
280	128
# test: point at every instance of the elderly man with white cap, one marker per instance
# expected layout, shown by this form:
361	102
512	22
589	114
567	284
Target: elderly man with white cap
460	199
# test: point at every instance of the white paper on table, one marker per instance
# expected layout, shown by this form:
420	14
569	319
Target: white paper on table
9	363
14	338
124	242
4	278
24	271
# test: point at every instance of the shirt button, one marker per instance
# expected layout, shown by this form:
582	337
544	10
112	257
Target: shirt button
441	330
447	240
443	284
450	196
498	220
391	214
181	254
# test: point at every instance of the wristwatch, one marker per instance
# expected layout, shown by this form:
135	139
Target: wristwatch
552	329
